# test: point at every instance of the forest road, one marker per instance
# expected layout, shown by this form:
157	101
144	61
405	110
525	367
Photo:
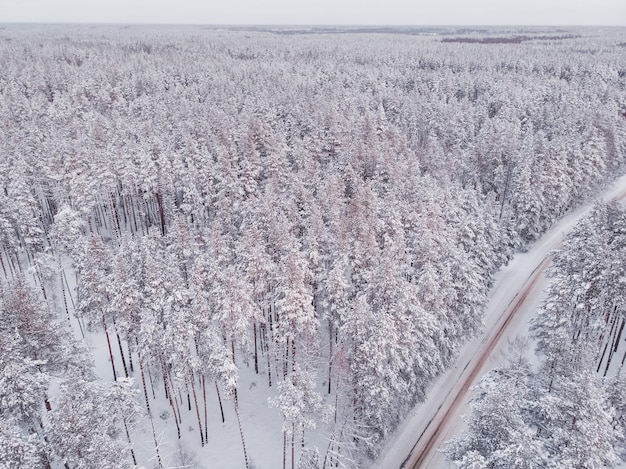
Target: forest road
513	297
430	439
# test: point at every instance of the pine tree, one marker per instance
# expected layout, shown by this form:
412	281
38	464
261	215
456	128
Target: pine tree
82	428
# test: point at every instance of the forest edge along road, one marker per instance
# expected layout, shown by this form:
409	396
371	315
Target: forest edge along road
433	425
424	447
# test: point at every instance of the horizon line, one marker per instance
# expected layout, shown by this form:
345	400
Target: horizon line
314	25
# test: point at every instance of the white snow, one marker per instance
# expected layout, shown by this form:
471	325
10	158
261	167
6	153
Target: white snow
508	283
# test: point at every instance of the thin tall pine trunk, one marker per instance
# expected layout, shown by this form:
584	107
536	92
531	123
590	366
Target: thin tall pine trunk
243	441
67	310
156	445
284	449
206	415
195	400
219	399
119	343
4	269
116	217
159	199
132	451
106	333
269	360
330	353
130	355
168	394
256	353
145	388
615	338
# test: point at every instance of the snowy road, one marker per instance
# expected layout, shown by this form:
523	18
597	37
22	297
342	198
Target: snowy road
514	298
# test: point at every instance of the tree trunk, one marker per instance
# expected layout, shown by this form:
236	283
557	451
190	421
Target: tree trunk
206	415
284	449
156	446
132	451
330	353
4	269
159	199
119	343
106	332
269	360
219	399
256	353
116	217
243	441
130	356
67	310
168	394
145	388
616	336
195	400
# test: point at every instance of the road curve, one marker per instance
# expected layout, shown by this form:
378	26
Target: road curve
514	294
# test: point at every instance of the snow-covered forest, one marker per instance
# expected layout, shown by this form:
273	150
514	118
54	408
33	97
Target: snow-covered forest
243	248
571	410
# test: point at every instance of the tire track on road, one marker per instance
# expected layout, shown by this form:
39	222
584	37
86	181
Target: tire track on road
418	458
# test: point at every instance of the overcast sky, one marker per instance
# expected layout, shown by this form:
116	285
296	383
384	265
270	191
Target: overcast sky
363	12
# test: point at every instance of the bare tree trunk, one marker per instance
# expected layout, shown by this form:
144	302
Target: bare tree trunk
330	353
616	336
106	332
151	384
69	290
17	261
116	217
130	355
602	357
219	399
608	342
328	450
4	269
256	354
269	360
104	216
145	388
159	199
156	445
67	310
619	335
9	262
206	415
134	214
284	449
243	441
168	394
132	451
43	290
195	400
119	343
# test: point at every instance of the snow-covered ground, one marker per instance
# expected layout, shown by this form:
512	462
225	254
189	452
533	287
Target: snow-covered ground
507	286
262	426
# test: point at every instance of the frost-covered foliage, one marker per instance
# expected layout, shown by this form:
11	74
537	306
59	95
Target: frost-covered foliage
568	413
84	428
327	210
